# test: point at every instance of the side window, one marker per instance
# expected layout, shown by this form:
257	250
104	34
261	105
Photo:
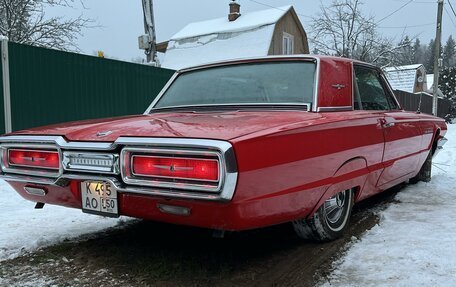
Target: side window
391	100
369	91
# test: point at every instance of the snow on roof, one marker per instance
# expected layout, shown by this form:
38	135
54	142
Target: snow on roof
403	77
218	47
245	22
220	39
402	68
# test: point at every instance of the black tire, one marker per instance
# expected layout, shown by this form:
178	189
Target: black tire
425	172
330	220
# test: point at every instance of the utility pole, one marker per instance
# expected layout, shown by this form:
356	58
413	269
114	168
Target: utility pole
148	41
438	40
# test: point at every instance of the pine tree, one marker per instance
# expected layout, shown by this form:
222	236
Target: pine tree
447	84
449	53
405	52
429	57
418	52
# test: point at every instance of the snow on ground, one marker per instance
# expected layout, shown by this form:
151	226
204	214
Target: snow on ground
24	229
414	243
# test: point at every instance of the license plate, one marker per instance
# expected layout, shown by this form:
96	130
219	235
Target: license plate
99	198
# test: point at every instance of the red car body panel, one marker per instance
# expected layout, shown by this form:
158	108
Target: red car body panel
288	162
335	72
218	125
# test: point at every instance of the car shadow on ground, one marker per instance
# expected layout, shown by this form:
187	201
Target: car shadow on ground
145	253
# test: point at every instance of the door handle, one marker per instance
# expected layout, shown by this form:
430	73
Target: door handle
388	125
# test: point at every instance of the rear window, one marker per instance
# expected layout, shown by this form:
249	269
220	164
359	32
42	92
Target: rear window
259	83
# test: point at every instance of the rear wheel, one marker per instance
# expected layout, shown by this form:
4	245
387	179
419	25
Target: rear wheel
330	220
425	171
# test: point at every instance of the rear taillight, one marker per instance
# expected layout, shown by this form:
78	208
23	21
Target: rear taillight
175	168
36	159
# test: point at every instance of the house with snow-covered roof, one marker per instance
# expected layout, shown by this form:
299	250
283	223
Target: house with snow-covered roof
410	78
276	31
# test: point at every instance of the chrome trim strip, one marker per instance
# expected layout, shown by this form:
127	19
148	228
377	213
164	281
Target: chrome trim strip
335	109
5	77
30	171
29	179
59	141
63	181
113	168
189	185
249	60
160	94
174	142
316	84
307	105
223	148
96	146
177	168
12	165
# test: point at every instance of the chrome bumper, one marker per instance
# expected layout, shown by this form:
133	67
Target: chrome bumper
64	180
111	151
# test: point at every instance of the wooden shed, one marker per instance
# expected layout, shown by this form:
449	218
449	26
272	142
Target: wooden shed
275	31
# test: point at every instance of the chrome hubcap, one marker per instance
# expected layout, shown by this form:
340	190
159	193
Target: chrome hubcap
334	207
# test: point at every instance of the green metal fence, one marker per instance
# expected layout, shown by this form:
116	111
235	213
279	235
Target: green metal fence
49	86
2	118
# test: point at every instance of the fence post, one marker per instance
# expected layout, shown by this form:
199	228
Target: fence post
6	84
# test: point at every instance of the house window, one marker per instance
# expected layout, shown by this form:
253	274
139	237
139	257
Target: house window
288	44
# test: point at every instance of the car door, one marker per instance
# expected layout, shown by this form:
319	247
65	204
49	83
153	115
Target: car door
403	141
401	129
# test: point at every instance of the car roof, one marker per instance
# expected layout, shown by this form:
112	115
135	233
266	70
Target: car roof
273	58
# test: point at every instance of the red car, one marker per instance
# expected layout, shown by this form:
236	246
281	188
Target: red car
234	146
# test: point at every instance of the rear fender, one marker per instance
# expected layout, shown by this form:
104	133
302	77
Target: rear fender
352	174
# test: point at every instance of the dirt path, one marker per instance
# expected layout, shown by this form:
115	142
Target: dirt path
152	254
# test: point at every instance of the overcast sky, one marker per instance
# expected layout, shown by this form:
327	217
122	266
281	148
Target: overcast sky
121	21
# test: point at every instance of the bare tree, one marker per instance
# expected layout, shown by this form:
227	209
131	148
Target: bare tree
341	29
25	21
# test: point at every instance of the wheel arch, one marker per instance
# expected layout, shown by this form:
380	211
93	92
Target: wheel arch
435	141
352	174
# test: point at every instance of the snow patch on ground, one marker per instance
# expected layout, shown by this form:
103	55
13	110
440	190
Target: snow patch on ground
25	229
26	278
414	243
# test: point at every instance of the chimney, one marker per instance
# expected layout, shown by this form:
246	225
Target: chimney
235	10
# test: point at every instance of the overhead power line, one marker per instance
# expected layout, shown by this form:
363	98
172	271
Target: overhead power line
450	16
420	2
273	7
408	26
452	9
395	11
